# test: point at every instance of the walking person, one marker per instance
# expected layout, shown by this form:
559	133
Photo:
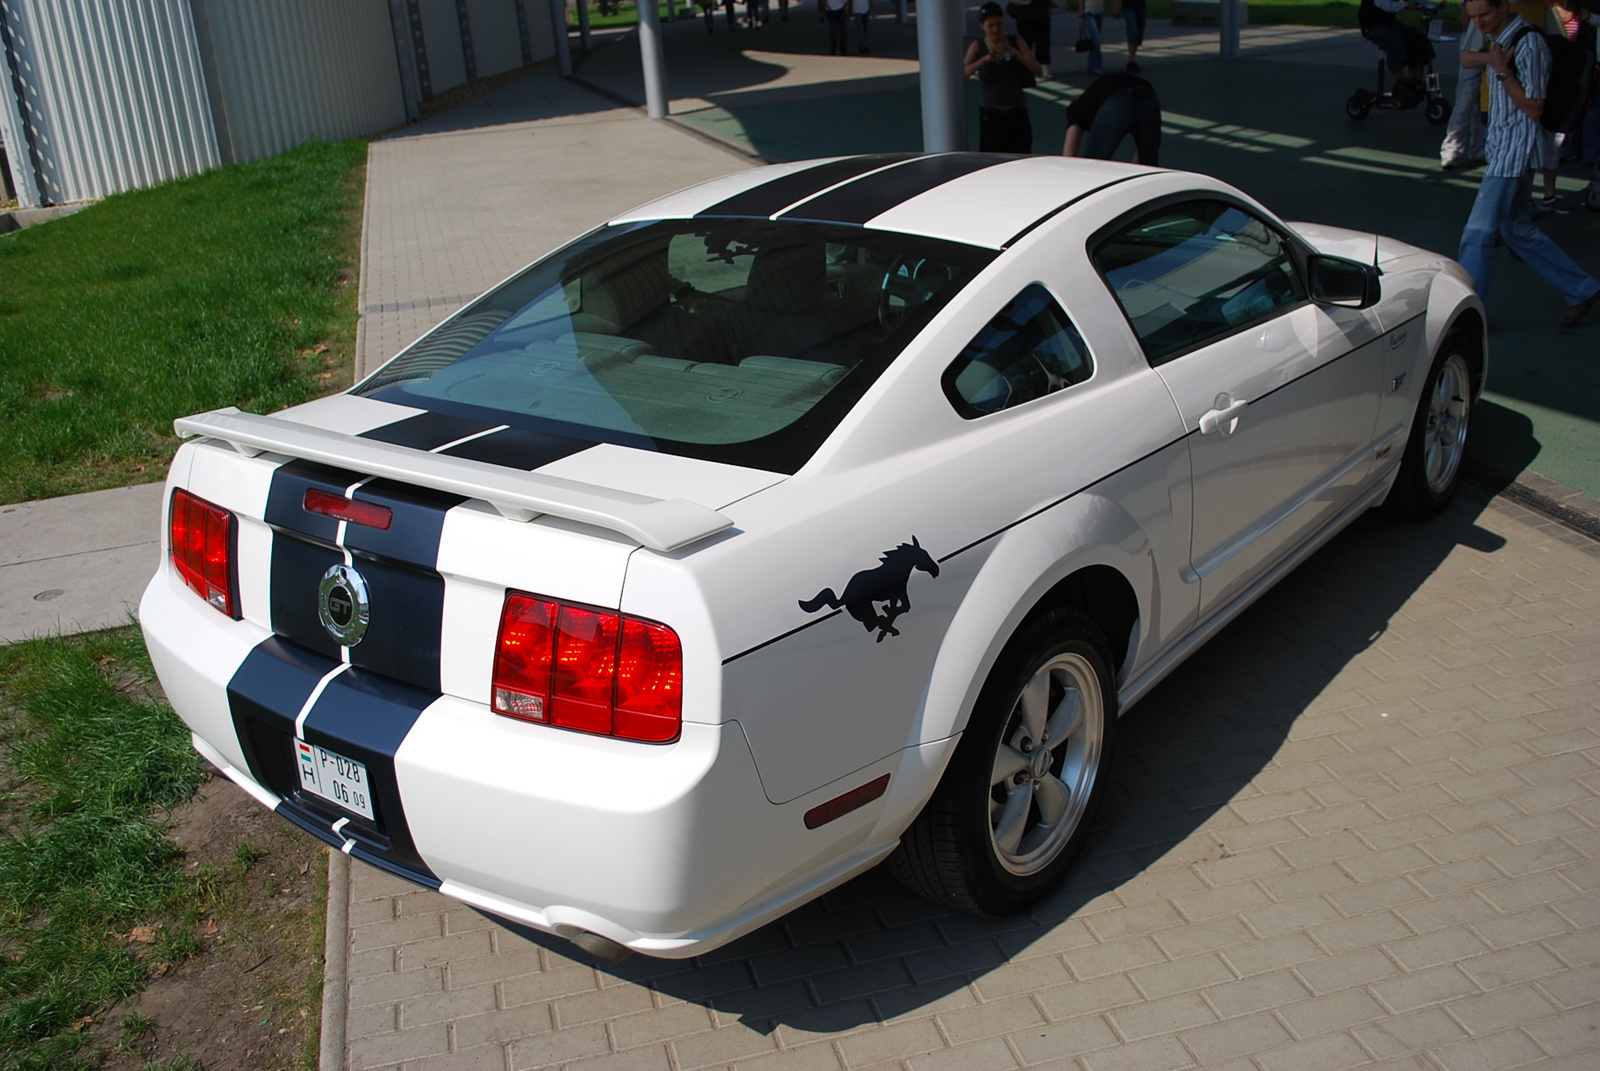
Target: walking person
1519	75
837	12
1090	14
862	10
1463	138
1004	66
1113	107
1133	13
1033	26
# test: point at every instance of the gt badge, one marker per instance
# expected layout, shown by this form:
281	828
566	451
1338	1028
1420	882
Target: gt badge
342	604
886	584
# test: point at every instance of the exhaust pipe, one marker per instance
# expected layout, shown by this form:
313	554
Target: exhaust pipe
601	947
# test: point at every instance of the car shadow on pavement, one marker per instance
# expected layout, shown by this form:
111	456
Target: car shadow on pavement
869	951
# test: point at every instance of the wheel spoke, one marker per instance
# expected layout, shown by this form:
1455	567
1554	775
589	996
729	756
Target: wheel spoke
1053	798
1067	717
1034	703
1007	761
1014	819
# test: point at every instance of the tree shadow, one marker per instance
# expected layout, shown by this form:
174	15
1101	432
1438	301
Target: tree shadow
870	951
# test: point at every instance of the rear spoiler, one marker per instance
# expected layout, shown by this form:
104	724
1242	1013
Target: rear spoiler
660	524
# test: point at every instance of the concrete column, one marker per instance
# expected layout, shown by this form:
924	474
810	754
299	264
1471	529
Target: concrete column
655	79
1229	22
583	25
944	125
558	29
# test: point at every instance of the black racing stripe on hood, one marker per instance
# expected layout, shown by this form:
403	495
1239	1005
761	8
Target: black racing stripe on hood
773	197
427	431
860	201
519	448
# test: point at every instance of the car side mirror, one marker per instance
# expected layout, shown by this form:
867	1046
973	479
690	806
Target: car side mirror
1347	283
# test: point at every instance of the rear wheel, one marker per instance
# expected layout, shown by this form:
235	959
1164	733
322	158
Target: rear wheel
1015	803
1430	470
1359	105
1438	112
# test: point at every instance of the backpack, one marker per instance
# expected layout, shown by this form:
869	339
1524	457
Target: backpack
1566	96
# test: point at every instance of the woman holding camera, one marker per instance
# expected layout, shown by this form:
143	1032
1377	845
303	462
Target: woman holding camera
1004	67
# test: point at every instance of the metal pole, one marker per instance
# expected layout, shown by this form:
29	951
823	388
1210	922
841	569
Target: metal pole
901	18
583	24
672	10
944	127
1229	22
655	79
558	28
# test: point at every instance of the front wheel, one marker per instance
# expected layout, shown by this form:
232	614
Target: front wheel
1438	111
1430	470
1359	105
1015	803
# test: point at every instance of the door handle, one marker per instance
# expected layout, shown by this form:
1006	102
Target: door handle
1224	417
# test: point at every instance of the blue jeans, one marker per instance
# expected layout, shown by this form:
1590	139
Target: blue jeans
1505	205
1092	22
1133	19
1133	110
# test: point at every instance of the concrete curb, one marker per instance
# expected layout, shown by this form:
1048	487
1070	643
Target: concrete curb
335	964
20	219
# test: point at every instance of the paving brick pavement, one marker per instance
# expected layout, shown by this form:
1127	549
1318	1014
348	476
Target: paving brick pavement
1360	828
457	203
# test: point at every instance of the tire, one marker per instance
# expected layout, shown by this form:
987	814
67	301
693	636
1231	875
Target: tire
1430	469
983	843
1359	105
1438	111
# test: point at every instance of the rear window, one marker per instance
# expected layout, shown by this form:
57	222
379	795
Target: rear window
741	341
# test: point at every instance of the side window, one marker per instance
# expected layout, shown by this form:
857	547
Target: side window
1193	272
1030	349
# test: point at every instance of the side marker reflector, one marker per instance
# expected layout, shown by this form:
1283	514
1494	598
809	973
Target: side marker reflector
839	806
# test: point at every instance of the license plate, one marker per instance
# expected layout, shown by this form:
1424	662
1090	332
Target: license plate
335	778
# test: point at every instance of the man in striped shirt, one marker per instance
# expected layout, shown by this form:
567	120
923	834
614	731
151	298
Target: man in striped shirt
1514	145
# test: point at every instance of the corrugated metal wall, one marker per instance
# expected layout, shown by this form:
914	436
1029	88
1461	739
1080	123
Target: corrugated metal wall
284	71
112	92
100	96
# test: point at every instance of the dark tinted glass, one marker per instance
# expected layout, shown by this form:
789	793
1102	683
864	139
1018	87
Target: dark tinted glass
1192	272
1030	349
732	340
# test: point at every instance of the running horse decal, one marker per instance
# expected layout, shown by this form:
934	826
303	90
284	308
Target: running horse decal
885	584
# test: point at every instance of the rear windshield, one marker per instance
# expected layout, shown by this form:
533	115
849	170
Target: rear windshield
741	341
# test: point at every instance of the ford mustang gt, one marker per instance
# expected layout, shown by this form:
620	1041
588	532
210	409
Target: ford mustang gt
815	516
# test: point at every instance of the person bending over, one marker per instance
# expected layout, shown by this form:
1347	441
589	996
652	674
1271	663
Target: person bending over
1114	106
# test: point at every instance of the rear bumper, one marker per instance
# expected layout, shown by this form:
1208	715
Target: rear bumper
666	849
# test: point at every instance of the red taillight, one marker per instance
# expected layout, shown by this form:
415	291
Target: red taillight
343	509
202	541
590	670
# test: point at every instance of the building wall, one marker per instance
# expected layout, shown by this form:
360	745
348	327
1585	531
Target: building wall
111	93
101	96
283	71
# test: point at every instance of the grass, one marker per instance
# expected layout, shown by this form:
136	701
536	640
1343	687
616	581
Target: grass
234	287
91	897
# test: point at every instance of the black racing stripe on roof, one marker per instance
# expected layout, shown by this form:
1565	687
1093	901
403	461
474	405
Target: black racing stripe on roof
772	197
859	201
427	431
519	448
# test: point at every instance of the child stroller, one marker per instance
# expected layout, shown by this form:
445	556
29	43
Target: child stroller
1428	93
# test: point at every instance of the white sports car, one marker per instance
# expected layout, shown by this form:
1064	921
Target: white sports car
817	515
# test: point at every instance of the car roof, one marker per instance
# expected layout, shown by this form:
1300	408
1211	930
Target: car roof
984	199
